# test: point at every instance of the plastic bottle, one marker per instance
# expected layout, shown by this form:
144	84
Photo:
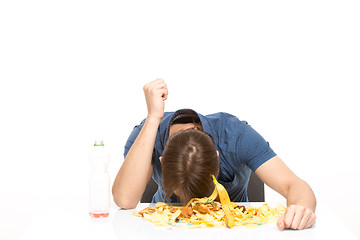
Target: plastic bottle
99	182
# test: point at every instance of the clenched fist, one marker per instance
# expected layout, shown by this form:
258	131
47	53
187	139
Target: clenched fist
296	217
156	93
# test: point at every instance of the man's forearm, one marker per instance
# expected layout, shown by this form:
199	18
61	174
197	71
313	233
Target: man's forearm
136	169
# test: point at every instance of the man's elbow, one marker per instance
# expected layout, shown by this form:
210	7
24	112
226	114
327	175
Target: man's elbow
124	202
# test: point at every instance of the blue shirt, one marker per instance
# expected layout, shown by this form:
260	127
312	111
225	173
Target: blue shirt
241	149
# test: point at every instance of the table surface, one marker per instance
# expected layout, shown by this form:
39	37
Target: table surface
74	222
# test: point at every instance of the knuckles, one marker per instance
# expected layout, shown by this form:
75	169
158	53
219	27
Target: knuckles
153	86
296	212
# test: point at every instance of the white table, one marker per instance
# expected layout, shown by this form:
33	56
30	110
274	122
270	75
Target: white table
74	223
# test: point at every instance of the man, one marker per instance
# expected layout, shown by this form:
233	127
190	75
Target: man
173	149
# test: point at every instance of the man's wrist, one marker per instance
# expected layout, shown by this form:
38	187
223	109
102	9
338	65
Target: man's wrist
153	120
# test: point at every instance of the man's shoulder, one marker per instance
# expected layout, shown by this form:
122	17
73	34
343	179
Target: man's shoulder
225	124
167	114
225	117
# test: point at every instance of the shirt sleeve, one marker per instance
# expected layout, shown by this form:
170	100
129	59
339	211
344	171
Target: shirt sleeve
253	149
133	135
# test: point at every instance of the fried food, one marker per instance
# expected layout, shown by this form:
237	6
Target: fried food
206	212
196	217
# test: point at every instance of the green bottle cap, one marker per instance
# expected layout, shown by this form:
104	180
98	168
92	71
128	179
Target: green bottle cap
99	143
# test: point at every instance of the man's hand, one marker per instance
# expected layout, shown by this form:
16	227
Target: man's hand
296	217
156	93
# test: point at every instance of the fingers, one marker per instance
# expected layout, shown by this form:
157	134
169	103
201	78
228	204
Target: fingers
165	93
311	221
280	223
308	219
157	84
156	93
297	217
289	216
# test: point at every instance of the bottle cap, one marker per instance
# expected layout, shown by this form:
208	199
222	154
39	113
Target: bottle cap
99	143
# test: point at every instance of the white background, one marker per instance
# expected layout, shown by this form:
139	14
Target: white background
72	71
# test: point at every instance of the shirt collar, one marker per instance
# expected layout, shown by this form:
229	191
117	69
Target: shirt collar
171	117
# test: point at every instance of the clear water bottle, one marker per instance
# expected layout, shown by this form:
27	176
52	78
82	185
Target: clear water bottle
99	182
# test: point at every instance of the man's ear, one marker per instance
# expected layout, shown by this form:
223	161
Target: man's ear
217	153
160	158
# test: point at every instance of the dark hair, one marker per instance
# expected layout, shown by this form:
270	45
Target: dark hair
188	160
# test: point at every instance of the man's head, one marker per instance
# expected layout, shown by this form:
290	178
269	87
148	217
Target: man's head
188	160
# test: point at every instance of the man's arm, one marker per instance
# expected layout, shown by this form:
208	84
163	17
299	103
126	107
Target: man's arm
136	170
301	200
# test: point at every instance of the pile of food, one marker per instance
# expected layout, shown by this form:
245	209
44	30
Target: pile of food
207	212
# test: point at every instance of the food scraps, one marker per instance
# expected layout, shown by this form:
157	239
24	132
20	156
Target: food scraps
207	212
